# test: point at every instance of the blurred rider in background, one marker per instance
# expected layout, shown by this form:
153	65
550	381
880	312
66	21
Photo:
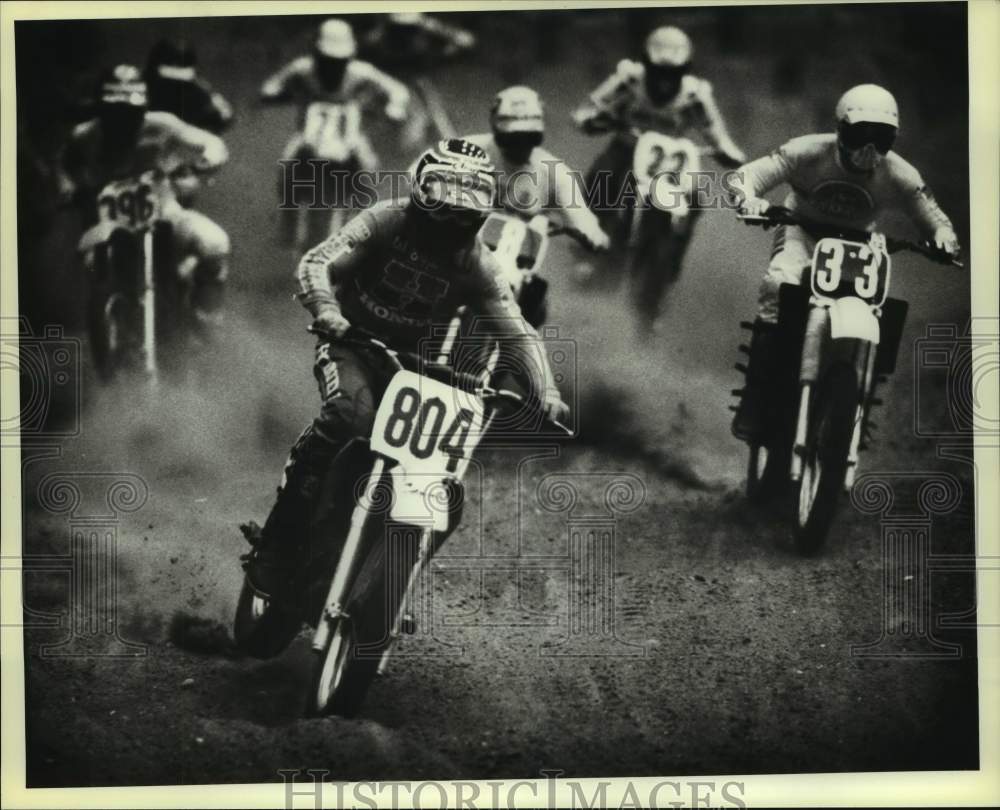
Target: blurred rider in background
173	86
331	74
848	178
412	44
125	140
657	93
531	179
396	271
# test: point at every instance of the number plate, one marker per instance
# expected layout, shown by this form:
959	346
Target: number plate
842	268
428	427
131	204
331	130
657	154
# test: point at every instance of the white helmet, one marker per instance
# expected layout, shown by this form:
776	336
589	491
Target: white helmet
336	39
867	122
868	104
517	109
668	46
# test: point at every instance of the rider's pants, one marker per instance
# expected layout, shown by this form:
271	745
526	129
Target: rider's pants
605	181
791	256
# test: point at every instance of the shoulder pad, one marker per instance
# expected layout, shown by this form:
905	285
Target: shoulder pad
902	172
302	64
362	69
163	121
805	147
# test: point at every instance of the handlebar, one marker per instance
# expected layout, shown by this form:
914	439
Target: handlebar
780	215
472	383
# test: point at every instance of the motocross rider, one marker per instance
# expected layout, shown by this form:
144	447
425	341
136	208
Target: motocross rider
173	86
658	93
394	271
332	74
848	178
412	44
532	179
125	140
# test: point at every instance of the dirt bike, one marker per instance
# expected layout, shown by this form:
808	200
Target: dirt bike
135	303
394	498
663	169
840	337
520	247
329	138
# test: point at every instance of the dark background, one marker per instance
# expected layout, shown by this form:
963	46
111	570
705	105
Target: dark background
747	667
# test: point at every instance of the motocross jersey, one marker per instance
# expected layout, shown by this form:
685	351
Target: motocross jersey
541	184
362	83
394	275
824	191
164	143
624	103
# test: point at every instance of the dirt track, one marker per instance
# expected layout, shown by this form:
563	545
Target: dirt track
742	660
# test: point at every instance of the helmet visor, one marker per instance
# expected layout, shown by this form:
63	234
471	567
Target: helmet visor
857	136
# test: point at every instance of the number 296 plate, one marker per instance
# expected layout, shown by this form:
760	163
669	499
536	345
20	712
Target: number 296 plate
428	427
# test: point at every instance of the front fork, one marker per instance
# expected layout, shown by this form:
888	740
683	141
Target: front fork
815	345
333	609
148	307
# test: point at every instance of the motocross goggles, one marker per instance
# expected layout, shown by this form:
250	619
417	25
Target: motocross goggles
451	190
857	136
519	142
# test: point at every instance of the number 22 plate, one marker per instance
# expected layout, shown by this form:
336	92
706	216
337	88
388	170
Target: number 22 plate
428	427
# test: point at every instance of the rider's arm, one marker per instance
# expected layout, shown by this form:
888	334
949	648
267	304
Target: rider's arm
601	111
567	194
207	151
218	112
918	202
397	97
759	176
278	87
491	297
714	126
333	261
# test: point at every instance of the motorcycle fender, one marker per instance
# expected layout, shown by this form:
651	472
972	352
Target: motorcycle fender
853	318
419	499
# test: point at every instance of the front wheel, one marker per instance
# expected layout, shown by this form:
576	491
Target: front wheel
825	463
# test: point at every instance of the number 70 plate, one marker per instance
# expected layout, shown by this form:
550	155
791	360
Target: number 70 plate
428	427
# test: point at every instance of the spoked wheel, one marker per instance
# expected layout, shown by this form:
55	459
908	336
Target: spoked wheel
260	628
825	463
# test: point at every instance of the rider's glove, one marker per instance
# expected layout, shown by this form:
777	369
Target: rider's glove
395	111
554	407
754	206
328	321
597	240
946	241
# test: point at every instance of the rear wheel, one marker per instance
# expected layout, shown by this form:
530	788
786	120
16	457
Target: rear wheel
825	462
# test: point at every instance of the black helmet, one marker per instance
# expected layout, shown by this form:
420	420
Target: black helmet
172	59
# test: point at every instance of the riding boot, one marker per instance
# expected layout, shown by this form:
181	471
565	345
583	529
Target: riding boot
761	375
285	533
